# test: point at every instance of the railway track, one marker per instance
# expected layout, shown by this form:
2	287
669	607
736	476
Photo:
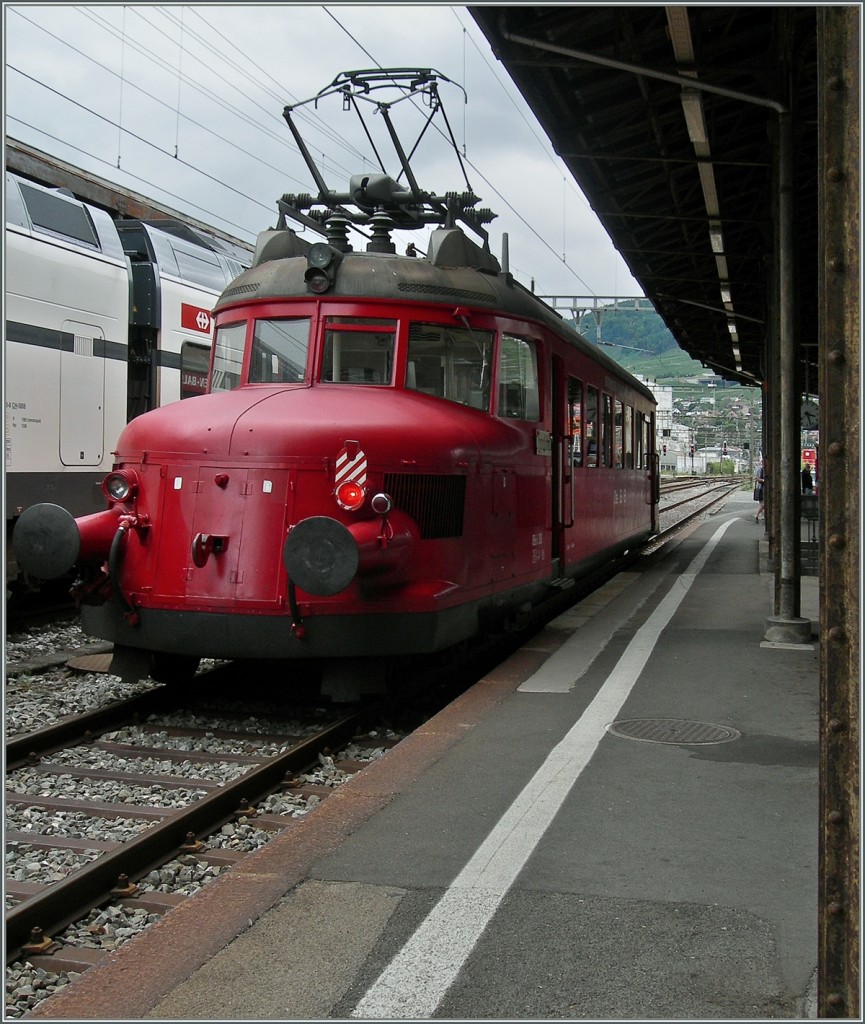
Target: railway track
707	492
669	485
172	815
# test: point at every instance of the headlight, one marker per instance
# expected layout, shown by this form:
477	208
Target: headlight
121	485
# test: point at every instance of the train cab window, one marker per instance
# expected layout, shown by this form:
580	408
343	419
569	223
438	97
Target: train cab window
279	350
228	356
450	362
358	350
518	379
618	436
607	431
593	432
194	359
575	420
629	437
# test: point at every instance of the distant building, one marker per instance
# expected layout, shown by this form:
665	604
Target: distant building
664	417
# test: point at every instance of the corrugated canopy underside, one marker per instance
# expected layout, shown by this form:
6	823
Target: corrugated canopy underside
676	174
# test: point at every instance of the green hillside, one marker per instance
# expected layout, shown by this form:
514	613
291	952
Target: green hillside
641	330
641	343
665	367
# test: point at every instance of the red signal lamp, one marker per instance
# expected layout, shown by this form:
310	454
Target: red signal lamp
350	495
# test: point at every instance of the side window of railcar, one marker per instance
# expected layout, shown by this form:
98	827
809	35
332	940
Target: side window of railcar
593	432
518	379
200	266
450	362
194	359
54	215
228	357
575	420
618	437
358	350
607	431
629	437
279	349
639	427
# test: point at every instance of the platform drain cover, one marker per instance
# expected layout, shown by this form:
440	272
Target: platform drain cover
672	730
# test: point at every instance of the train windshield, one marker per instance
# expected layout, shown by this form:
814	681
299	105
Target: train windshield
228	357
358	350
279	350
450	362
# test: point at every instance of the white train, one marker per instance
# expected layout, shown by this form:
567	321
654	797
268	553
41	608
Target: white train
104	320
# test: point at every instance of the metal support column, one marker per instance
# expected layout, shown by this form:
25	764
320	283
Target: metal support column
839	364
787	626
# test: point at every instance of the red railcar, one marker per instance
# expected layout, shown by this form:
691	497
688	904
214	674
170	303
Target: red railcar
395	453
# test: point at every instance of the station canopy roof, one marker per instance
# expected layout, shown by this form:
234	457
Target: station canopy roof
668	118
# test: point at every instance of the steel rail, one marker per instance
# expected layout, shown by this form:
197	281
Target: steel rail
92	884
726	488
74	728
661	534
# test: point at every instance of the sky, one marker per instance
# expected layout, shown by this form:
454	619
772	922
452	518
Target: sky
183	104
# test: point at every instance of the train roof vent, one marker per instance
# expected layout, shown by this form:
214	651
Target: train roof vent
450	247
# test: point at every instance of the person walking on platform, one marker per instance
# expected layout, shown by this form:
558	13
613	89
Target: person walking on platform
807	480
760	493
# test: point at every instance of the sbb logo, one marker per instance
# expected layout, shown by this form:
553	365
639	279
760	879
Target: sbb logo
194	318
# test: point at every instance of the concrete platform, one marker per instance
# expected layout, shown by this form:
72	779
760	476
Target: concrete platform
519	858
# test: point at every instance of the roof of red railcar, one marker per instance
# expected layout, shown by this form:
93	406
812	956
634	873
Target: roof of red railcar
389	277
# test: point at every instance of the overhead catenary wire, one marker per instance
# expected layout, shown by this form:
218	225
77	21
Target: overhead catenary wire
179	88
196	46
529	226
522	219
242	231
138	138
278	92
276	133
278	137
544	147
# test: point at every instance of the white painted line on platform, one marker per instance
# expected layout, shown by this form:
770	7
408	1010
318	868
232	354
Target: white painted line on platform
563	668
418	977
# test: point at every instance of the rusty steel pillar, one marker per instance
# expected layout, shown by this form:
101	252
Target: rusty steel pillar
770	391
839	509
786	625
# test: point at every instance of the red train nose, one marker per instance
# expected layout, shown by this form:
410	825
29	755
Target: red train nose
47	541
